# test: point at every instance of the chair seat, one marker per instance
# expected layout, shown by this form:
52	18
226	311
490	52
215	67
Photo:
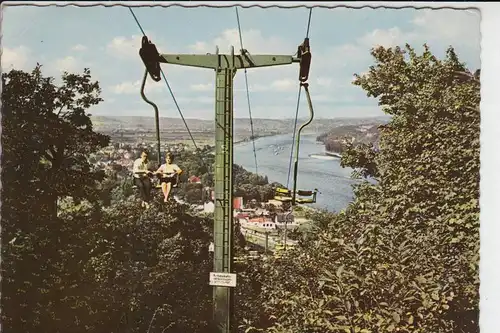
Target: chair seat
282	198
302	196
155	186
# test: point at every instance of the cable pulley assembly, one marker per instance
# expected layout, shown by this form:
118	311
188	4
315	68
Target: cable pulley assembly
304	54
150	57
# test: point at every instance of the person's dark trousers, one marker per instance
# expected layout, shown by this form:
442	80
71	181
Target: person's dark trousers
144	186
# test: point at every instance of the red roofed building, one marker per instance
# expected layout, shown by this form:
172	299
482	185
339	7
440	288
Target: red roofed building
194	179
237	203
260	219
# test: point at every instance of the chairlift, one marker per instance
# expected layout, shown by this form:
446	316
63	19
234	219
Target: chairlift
300	196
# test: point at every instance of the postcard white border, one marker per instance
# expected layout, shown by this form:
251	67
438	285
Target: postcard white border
490	125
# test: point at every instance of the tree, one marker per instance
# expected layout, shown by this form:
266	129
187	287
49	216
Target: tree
150	267
193	192
404	255
46	138
47	132
429	166
362	158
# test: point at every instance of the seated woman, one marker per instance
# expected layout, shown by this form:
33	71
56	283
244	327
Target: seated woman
168	174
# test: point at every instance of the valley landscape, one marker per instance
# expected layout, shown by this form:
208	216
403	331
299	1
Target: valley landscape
129	129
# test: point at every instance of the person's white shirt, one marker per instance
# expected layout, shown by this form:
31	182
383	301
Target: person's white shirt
139	166
168	169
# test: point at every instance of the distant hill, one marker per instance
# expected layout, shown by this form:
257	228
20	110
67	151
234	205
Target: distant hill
241	125
367	132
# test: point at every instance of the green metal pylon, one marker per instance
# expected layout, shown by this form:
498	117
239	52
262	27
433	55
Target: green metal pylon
225	66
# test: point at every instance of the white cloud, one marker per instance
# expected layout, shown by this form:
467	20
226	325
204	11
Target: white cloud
445	26
324	81
325	110
20	58
437	28
284	85
130	87
125	47
338	59
333	83
69	64
200	47
128	47
79	47
197	100
185	101
455	27
325	97
330	76
253	41
280	85
276	78
202	87
198	113
387	38
15	58
334	97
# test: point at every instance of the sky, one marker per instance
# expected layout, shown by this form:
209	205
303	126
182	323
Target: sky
107	40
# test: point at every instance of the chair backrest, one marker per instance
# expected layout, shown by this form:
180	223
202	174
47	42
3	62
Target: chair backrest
305	193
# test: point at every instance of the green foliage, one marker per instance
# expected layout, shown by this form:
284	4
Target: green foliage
150	263
199	164
404	255
362	156
193	193
46	137
32	104
68	264
252	186
249	295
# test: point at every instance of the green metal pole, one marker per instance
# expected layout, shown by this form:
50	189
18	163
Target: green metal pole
223	219
225	67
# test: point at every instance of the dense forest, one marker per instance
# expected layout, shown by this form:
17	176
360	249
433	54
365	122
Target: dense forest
79	253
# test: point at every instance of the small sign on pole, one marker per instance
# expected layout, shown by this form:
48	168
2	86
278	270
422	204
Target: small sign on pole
223	279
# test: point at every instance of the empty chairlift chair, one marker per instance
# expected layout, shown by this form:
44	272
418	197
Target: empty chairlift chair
301	196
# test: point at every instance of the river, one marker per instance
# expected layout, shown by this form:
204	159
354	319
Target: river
332	181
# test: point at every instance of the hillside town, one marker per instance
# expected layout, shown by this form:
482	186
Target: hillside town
254	218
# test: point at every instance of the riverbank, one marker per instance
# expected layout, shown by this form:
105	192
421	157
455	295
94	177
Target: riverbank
323	157
333	154
256	137
333	181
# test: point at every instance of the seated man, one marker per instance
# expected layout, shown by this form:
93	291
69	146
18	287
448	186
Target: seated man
141	178
168	174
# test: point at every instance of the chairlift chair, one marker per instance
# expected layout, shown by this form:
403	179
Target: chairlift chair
302	196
